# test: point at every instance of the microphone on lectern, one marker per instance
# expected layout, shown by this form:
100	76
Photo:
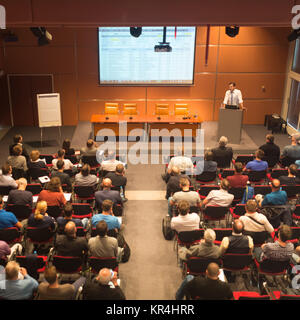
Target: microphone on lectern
106	118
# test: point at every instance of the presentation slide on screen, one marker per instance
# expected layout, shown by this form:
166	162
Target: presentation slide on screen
158	56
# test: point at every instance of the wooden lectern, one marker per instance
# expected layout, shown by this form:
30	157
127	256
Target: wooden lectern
230	124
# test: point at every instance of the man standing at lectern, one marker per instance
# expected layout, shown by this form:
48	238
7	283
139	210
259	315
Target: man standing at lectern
233	97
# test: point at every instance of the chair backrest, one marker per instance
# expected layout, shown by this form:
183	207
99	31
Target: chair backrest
222	162
82	210
20	211
249	295
35	173
34	188
234	261
10	235
276	173
39	235
188	237
18	173
297	210
258	237
72	158
206	176
67	264
90	160
256	176
238	192
129	109
205	190
162	109
239	209
289	297
54	211
84	191
295	234
222	232
37	265
271	266
215	212
226	173
244	158
262	189
4	190
272	161
97	263
111	108
198	265
291	190
47	157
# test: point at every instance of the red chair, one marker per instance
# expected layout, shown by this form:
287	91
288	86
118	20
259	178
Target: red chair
238	193
82	210
236	262
249	295
221	233
243	158
262	189
296	213
205	190
214	213
197	265
84	193
34	188
20	211
98	263
67	264
276	173
238	211
226	173
206	177
11	235
40	263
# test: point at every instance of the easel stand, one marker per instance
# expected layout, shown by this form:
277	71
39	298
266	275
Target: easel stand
59	130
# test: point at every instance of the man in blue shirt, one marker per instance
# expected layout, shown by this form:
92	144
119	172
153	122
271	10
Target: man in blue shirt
7	219
257	164
18	284
107	216
278	197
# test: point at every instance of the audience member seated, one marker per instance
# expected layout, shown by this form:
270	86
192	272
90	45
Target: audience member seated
183	163
69	244
173	184
110	163
185	221
67	216
291	178
16	160
52	290
107	193
277	198
90	149
6	251
64	177
107	216
40	218
102	245
35	161
67	147
237	242
117	178
208	288
20	196
192	197
254	221
84	178
18	139
6	179
257	164
205	248
219	197
271	151
53	195
209	164
222	154
238	180
7	218
292	151
280	250
19	285
61	156
98	288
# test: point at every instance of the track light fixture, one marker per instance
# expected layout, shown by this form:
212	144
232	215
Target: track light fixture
136	31
232	31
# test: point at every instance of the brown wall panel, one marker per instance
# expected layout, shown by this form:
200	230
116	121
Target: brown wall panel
251	85
202	34
203	89
253	59
200	59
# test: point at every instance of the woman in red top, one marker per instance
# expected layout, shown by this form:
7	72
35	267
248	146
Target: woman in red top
53	194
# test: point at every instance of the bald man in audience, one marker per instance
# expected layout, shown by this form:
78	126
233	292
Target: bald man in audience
208	288
69	244
98	288
20	196
107	193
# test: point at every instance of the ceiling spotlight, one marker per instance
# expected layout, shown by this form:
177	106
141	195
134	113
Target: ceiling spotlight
135	31
232	31
294	35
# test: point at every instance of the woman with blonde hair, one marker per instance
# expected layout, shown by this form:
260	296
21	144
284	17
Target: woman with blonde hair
40	218
35	161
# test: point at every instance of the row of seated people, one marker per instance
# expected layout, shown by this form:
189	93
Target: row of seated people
42	231
252	239
222	156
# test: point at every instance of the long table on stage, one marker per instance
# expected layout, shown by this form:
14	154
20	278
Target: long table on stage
146	122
